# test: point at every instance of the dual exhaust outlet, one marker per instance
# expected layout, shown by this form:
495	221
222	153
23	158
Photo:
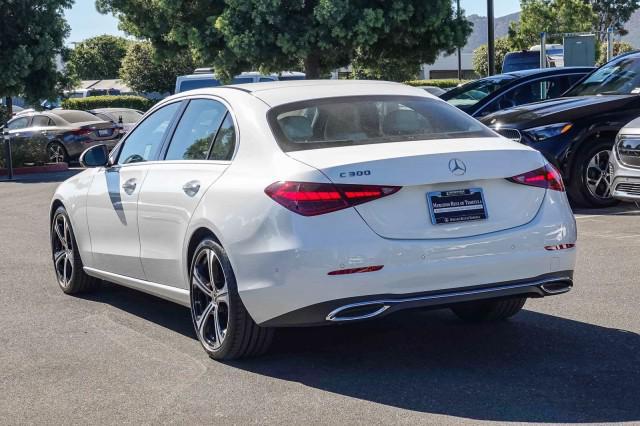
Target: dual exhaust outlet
375	308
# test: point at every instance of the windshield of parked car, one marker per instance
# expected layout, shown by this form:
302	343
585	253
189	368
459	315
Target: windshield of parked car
467	95
365	120
620	77
518	61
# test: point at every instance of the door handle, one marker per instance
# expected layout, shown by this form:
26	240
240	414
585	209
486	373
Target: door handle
129	186
191	188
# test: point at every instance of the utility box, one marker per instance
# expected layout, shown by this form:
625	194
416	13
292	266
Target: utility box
580	51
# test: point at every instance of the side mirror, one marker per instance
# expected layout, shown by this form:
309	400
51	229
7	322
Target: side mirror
96	156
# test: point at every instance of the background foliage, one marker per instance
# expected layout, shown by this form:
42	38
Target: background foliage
98	58
442	83
32	33
551	16
145	71
124	101
481	56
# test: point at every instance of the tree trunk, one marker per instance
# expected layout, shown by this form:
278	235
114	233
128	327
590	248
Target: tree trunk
8	101
312	66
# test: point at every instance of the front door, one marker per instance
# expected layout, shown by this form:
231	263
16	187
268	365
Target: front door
112	200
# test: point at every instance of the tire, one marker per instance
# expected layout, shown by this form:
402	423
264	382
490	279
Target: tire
57	153
592	167
66	258
489	310
222	324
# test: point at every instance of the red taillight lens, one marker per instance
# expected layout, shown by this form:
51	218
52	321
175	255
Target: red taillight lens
80	132
545	177
311	199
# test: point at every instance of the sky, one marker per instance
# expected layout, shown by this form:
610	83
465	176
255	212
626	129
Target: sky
86	22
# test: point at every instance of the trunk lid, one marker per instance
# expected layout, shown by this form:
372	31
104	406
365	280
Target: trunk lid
423	167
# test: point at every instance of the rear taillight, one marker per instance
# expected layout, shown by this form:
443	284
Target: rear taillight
81	132
545	177
311	199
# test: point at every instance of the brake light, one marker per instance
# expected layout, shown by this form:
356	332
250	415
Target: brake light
311	199
80	132
545	177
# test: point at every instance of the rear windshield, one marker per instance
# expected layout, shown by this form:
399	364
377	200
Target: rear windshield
521	61
76	116
365	120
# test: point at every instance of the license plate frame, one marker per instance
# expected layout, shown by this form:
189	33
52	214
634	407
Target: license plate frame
105	132
458	205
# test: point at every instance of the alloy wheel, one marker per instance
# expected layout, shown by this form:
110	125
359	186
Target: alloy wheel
56	153
598	175
209	299
62	249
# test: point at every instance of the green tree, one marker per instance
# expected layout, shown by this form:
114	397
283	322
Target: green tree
144	71
32	34
619	47
612	13
551	16
481	56
276	35
98	57
171	26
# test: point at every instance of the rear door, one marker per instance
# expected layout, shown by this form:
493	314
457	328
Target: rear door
197	154
112	200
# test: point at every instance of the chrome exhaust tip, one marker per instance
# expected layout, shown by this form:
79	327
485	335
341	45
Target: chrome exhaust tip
357	311
556	287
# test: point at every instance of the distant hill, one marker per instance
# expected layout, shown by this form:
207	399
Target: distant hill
479	34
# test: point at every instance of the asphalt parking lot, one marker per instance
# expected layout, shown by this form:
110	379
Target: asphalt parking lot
120	356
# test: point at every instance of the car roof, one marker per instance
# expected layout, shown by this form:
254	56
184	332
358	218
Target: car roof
111	109
548	71
283	92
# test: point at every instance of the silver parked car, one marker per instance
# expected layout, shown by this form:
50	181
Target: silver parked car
624	170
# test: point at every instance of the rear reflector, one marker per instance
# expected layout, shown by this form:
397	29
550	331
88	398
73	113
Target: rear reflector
356	270
559	247
311	199
547	177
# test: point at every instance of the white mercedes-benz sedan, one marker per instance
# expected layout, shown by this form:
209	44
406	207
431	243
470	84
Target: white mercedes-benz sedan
314	202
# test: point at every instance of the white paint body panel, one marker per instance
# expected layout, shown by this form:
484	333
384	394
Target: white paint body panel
281	259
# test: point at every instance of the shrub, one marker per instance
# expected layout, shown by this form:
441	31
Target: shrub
26	152
4	116
121	101
442	83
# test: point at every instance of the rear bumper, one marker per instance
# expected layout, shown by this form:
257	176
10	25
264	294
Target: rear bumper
376	306
285	268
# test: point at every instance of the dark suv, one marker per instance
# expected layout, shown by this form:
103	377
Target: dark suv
576	131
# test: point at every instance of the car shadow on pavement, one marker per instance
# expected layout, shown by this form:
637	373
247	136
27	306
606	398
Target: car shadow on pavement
534	368
164	313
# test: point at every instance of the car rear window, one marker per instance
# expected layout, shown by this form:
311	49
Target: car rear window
76	116
363	120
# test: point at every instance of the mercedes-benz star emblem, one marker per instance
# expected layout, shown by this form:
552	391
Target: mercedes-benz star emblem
457	167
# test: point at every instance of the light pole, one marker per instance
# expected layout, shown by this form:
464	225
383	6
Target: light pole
491	49
459	55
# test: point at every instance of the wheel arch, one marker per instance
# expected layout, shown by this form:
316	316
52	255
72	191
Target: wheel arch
593	137
55	204
196	236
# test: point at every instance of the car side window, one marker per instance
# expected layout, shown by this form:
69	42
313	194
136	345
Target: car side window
195	131
144	142
18	123
40	121
225	143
